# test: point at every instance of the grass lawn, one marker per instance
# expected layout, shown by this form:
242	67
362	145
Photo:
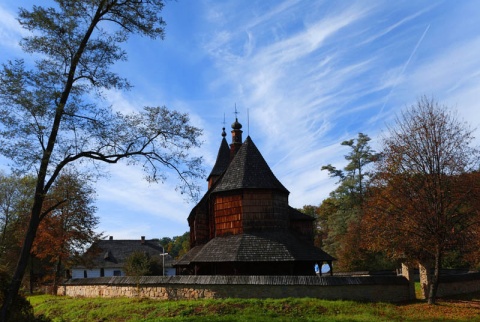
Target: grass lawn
462	308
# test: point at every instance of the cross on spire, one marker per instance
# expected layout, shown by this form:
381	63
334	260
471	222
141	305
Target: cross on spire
224	134
236	112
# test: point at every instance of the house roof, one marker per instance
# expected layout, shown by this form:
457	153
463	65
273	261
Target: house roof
114	253
248	170
267	246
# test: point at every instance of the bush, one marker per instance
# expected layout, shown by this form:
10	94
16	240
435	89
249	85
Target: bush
140	264
21	310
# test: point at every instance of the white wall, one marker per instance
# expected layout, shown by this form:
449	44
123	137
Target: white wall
108	272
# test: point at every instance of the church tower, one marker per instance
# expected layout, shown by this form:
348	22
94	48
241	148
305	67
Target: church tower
244	225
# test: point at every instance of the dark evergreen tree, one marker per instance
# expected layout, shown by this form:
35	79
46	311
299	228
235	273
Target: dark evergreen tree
342	212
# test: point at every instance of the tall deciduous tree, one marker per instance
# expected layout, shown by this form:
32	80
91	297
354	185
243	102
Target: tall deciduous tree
52	114
422	202
342	211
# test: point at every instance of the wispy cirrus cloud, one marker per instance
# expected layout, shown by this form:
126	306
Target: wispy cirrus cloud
336	73
310	73
10	29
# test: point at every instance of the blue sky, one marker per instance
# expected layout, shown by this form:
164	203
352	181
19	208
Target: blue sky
309	74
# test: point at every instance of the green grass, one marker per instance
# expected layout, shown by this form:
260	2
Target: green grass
60	309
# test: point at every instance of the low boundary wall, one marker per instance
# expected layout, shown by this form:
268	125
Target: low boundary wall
458	284
358	288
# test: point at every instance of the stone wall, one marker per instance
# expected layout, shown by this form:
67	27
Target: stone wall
449	283
458	284
359	288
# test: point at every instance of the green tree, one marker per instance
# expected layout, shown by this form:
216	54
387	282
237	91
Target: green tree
141	264
15	203
176	246
52	114
355	175
341	213
424	198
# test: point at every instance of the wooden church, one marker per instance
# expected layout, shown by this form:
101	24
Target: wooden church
244	225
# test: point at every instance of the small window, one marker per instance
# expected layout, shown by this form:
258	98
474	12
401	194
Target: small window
102	272
84	274
117	273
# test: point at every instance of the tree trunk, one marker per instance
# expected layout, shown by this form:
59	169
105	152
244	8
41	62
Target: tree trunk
56	277
432	295
12	292
32	275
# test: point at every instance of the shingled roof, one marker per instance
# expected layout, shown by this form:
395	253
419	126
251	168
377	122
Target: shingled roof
296	215
268	246
248	170
114	253
223	159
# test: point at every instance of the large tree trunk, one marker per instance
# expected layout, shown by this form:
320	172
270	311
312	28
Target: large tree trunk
22	264
32	275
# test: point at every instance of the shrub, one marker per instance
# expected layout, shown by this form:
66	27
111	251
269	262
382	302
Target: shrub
21	310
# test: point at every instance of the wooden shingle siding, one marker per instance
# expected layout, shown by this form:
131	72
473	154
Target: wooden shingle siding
228	215
200	230
264	210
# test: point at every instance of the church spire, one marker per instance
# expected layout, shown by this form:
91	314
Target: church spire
236	136
223	159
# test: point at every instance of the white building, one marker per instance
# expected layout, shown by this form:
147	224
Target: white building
107	257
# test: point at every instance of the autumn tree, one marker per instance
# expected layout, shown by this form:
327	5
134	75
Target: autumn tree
423	201
341	213
68	228
176	246
52	112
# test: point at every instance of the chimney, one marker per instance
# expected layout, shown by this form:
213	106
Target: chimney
111	238
143	240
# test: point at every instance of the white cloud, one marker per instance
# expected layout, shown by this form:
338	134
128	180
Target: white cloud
10	30
127	204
